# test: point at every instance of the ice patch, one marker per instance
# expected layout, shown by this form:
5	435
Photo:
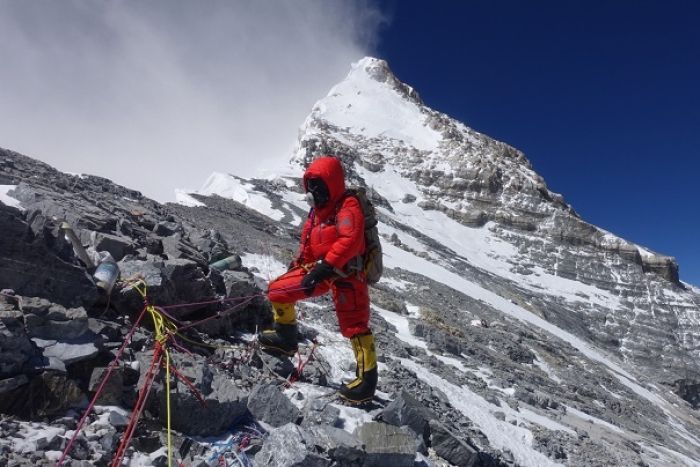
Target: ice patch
183	197
353	417
403	331
33	433
406	239
235	188
268	266
482	373
8	200
413	310
396	284
147	460
300	393
336	351
451	361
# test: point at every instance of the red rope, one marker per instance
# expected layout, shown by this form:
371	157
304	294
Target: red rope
189	384
298	370
100	388
301	365
138	407
150	375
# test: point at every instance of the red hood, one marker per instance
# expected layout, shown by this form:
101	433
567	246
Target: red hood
328	169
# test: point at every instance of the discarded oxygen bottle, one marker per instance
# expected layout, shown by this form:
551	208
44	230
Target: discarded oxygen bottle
232	262
106	274
78	247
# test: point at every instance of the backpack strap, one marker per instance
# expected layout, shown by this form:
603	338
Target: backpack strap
355	264
305	241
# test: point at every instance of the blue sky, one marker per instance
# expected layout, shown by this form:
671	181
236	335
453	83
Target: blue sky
602	96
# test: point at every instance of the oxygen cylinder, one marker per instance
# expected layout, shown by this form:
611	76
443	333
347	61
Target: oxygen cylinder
232	262
106	275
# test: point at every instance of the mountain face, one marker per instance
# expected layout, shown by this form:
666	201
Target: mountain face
509	331
472	234
423	164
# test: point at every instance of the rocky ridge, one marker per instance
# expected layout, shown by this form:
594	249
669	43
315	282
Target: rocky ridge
59	333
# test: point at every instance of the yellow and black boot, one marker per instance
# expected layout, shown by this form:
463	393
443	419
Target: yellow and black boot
362	388
283	337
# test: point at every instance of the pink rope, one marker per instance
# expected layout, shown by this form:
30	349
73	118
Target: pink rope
162	311
218	315
211	302
225	300
180	347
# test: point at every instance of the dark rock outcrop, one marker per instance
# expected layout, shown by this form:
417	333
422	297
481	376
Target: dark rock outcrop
16	350
267	403
450	447
386	445
46	395
40	264
406	410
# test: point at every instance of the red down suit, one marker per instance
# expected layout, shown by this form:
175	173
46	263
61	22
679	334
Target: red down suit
334	233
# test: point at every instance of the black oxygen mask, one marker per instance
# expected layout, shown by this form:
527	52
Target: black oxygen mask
317	194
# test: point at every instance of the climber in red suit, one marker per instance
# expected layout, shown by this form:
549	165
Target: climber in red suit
332	241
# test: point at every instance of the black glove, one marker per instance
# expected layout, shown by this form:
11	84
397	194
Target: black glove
318	274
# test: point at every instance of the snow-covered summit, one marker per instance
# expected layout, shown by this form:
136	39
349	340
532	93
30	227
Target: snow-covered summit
379	121
370	102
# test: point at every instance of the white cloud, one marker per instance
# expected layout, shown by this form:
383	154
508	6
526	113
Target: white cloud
157	95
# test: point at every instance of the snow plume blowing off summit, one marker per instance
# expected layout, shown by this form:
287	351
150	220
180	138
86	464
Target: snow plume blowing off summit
157	95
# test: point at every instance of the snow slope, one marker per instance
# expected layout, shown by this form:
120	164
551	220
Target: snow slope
6	199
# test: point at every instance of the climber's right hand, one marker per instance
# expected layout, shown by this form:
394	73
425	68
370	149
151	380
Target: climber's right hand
319	273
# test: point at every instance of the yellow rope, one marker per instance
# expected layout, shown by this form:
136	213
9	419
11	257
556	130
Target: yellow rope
140	286
163	328
167	405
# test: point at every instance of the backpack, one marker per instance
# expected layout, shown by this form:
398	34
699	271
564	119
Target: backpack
372	257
